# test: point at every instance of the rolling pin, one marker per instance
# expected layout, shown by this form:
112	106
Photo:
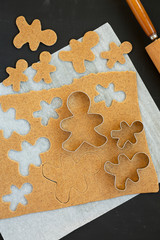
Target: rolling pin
142	17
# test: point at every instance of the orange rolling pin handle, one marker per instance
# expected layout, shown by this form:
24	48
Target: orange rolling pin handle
143	18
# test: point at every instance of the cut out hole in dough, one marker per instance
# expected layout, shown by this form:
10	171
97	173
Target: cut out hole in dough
8	123
109	94
126	169
30	154
82	125
48	110
18	195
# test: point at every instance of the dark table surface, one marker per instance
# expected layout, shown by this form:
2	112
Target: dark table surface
140	217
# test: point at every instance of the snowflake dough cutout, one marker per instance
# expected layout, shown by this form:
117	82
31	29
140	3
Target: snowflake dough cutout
33	34
48	110
16	75
43	68
109	94
115	54
81	125
30	154
80	51
126	169
127	133
71	174
18	195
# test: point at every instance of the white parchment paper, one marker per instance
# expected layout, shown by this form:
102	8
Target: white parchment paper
55	224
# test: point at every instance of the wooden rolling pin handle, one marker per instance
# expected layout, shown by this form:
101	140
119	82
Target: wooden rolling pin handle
143	18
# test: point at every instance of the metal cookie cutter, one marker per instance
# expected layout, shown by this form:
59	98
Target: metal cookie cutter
86	110
122	173
124	124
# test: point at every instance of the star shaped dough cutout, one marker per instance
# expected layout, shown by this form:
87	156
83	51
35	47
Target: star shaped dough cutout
115	54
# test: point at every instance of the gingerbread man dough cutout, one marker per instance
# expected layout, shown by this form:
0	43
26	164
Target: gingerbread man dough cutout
80	51
33	34
16	75
115	54
82	125
70	174
43	68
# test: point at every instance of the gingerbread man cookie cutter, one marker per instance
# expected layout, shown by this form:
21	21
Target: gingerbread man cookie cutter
122	123
104	141
128	178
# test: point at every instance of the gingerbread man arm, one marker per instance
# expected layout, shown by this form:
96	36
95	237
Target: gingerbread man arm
72	143
66	123
7	82
65	56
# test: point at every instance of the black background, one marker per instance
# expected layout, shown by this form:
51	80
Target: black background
140	217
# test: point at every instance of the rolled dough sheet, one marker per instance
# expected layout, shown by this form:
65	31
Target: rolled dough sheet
55	224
